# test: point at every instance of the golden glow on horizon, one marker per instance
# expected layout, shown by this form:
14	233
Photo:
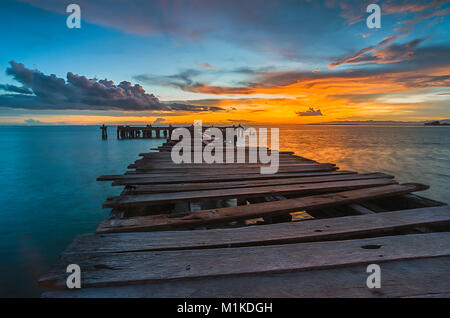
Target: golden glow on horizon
339	98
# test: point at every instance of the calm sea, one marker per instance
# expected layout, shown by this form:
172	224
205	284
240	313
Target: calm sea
49	193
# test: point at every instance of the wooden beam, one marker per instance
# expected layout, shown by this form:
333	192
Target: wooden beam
145	179
280	233
223	215
426	277
155	188
173	166
241	170
128	201
114	268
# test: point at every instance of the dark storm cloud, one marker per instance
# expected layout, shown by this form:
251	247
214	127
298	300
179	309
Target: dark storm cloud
15	89
40	91
193	108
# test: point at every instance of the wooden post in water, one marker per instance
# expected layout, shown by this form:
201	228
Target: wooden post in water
170	131
104	131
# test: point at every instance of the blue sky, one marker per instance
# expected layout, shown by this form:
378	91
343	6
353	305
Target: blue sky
255	61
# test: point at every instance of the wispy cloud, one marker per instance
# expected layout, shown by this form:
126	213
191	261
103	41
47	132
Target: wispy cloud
159	120
36	122
411	6
206	65
363	55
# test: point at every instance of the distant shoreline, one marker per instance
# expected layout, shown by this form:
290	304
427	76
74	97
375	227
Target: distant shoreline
392	125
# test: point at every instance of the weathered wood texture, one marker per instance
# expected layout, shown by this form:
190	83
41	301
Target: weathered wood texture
214	216
243	170
428	277
104	269
288	232
126	201
148	179
251	183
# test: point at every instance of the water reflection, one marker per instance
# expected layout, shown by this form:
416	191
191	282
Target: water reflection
411	154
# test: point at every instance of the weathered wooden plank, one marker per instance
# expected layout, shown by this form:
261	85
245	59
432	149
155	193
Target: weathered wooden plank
425	277
170	165
160	155
145	179
243	170
223	215
124	268
163	176
280	233
231	160
167	157
127	201
168	160
281	154
250	183
153	166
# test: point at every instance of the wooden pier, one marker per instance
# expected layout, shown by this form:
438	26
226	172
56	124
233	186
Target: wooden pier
150	132
147	132
225	230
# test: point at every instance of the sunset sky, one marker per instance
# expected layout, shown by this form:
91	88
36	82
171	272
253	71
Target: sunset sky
252	61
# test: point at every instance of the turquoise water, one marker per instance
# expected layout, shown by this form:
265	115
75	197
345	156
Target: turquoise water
49	193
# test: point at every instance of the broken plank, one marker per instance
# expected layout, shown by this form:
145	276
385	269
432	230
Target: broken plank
105	269
280	233
127	201
165	155
146	179
152	166
242	170
223	215
250	183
